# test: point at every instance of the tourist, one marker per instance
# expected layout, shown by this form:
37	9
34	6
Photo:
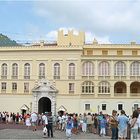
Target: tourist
50	124
69	127
34	119
27	121
114	125
84	124
122	125
103	124
89	123
134	125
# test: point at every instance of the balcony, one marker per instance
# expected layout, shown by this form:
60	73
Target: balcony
134	94
3	91
134	78
120	77
56	77
14	77
71	77
103	94
3	76
14	91
120	94
87	77
41	77
103	77
26	77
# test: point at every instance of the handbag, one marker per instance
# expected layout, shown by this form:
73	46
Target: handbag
45	130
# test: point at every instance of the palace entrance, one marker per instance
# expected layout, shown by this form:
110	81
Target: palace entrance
44	105
44	97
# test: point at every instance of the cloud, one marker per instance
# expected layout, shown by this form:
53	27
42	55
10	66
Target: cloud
103	18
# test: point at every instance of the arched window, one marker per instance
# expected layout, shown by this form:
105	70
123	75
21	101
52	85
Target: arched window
56	71
135	69
4	71
104	69
104	87
15	71
87	87
41	70
27	71
71	71
88	69
120	69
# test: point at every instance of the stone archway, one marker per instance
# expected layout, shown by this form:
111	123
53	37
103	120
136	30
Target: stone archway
44	105
44	97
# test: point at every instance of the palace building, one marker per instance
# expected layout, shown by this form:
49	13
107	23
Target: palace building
70	76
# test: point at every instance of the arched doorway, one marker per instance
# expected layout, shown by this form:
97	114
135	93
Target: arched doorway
44	105
135	87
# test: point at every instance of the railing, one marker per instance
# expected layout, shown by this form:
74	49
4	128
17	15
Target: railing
134	78
134	94
4	77
104	94
56	77
41	77
120	77
85	77
120	94
103	77
14	77
3	91
26	77
71	77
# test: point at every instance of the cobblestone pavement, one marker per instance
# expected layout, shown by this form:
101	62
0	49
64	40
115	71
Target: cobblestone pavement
21	132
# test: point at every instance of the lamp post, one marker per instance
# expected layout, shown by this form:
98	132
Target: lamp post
98	108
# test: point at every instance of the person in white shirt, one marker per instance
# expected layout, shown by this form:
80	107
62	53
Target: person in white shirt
45	122
34	119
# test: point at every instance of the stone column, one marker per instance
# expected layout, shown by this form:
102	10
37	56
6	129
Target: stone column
96	69
35	103
53	105
128	70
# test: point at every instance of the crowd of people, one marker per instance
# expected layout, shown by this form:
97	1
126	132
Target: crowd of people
116	126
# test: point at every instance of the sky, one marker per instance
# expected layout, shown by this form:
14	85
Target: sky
109	21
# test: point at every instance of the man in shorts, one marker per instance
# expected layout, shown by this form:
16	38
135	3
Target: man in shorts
122	125
34	120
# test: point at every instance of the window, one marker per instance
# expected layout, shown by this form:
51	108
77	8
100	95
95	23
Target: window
14	86
104	87
4	71
88	69
134	53
104	69
89	52
71	87
120	69
26	87
103	106
135	69
136	106
120	106
71	71
104	52
56	71
3	86
14	71
27	71
119	52
41	71
88	87
87	106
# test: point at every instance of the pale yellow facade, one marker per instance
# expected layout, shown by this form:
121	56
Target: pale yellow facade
114	87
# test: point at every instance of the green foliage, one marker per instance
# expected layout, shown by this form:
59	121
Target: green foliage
5	41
